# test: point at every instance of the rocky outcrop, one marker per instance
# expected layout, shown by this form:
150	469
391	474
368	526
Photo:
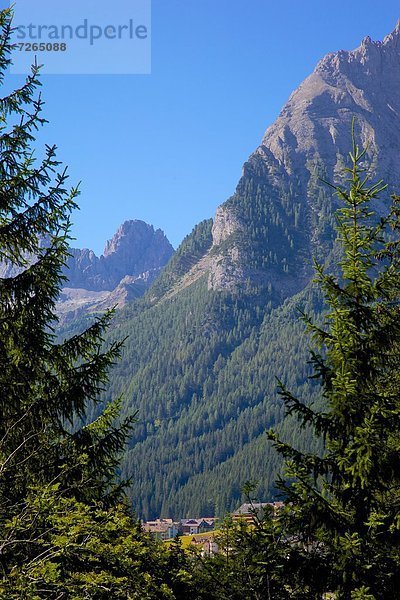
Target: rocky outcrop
225	264
315	124
226	223
131	261
137	250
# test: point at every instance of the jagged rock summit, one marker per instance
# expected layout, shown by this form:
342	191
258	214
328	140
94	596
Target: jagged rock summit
131	261
136	249
314	125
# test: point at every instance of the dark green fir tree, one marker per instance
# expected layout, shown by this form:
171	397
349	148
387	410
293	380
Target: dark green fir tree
65	530
343	506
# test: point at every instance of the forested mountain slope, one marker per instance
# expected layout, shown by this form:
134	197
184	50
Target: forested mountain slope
220	324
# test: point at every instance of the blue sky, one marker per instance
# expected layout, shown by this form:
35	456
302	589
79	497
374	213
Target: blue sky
168	147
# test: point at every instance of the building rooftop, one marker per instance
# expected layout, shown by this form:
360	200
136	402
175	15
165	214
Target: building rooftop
249	508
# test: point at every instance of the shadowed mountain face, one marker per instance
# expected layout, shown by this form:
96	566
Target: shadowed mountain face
219	324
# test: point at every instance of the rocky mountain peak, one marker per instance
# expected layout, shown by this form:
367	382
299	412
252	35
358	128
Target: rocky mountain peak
393	38
132	259
369	58
134	234
280	214
315	123
136	250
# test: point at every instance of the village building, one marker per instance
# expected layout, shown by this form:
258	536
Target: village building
207	545
249	511
162	529
196	526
